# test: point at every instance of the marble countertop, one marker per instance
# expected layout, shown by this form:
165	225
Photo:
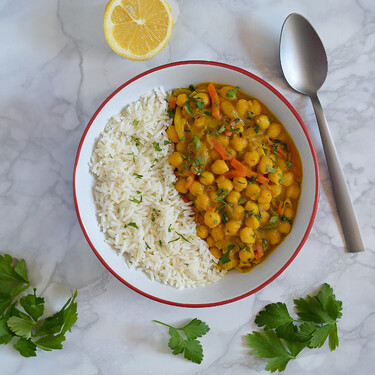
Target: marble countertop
56	69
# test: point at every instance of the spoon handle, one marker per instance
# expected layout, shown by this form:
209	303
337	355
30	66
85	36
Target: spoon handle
340	190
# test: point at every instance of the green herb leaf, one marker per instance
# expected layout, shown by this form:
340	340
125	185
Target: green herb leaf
274	315
191	347
135	122
167	142
136	140
156	146
50	342
188	108
225	258
33	305
197	142
132	224
265	244
191	87
134	200
288	163
21	326
269	169
5	333
270	346
199	160
232	92
25	347
256	128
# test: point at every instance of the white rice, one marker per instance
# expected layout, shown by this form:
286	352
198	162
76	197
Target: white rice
162	216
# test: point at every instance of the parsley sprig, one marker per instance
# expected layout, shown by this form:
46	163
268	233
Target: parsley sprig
26	324
190	346
284	337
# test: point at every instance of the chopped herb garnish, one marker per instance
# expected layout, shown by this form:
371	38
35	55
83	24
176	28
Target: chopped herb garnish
256	128
265	244
136	140
222	129
160	243
188	109
225	217
138	175
191	87
176	239
282	179
147	246
247	213
131	153
182	139
134	200
197	142
222	193
225	258
170	228
184	238
132	224
232	92
258	215
199	160
171	112
135	122
240	201
167	142
288	163
274	219
156	146
252	179
233	129
270	169
285	219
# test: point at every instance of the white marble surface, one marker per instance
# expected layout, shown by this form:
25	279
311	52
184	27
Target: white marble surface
56	69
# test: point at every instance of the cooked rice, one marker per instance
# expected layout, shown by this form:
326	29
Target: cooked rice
165	245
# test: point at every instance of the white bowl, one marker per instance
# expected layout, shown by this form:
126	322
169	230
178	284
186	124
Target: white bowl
234	285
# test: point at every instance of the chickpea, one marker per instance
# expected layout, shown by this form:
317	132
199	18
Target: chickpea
265	216
292	191
224	183
284	228
260	151
181	100
172	134
265	196
251	207
289	212
212	219
224	90
262	121
252	191
238	212
232	153
264	163
207	178
252	222
276	177
216	252
232	227
232	264
274	130
239	183
196	188
233	197
202	96
288	179
228	109
210	241
246	256
199	122
202	202
214	155
213	195
254	106
223	139
181	186
218	233
239	126
264	206
238	143
275	190
202	231
252	158
274	237
180	147
219	167
247	235
242	107
175	160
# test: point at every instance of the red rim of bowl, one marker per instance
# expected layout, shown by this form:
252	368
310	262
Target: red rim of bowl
303	126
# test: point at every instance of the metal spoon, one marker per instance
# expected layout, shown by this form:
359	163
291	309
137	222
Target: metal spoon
304	64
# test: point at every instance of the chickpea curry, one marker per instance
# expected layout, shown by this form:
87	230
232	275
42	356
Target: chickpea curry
240	169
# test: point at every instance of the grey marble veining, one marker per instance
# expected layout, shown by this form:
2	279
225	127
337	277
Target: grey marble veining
56	69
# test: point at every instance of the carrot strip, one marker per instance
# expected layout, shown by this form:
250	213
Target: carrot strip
259	252
281	208
172	102
215	100
247	172
219	148
279	149
189	181
234	173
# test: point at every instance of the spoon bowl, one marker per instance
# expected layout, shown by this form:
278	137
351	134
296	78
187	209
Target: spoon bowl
304	64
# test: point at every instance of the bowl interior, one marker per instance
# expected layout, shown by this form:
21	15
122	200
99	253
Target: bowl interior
235	285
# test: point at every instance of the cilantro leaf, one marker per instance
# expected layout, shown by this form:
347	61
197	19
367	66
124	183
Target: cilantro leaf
270	346
5	333
156	146
33	305
309	309
191	347
197	142
196	328
25	347
274	315
188	108
21	326
232	92
320	335
50	342
328	301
